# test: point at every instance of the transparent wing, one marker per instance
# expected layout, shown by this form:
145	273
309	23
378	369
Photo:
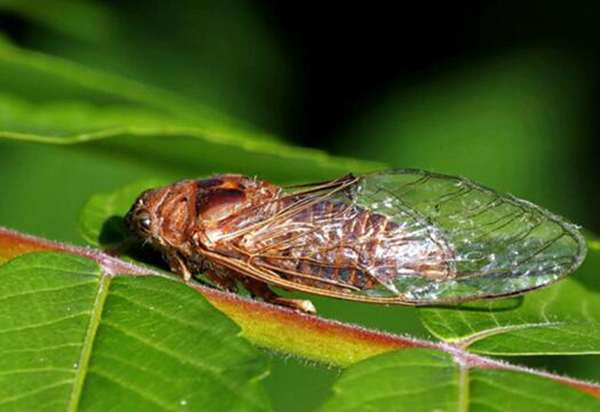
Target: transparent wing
494	244
408	236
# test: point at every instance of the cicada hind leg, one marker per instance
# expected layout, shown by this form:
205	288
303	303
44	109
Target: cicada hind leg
262	290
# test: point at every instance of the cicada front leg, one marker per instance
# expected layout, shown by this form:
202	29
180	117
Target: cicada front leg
262	290
178	265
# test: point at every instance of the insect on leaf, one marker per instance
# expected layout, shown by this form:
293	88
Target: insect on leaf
400	236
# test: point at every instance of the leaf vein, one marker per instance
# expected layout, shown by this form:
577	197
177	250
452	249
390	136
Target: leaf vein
41	324
35	391
144	395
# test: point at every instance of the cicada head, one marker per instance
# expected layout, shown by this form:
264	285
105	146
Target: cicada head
161	216
141	218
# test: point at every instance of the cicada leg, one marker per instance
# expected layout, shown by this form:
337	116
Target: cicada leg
178	266
262	290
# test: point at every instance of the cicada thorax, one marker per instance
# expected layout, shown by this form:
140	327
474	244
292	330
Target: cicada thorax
337	245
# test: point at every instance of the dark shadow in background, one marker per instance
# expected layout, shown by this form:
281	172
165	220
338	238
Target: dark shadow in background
351	55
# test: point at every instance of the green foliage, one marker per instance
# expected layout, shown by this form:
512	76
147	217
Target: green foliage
220	54
103	320
76	338
105	113
426	380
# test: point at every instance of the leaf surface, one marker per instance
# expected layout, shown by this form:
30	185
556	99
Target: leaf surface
272	327
231	60
106	114
78	338
429	380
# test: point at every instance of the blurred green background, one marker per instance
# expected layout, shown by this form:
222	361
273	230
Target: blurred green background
505	94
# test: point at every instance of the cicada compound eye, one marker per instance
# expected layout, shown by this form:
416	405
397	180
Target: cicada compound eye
138	219
145	224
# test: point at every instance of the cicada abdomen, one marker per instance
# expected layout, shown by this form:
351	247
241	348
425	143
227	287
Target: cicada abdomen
334	244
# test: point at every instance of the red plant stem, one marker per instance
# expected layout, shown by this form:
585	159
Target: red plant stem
361	342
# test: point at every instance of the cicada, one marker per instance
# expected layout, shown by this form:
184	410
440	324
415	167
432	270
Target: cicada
404	237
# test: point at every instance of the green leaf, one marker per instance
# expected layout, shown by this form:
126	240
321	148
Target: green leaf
106	114
38	78
428	380
74	337
561	320
282	330
223	54
162	142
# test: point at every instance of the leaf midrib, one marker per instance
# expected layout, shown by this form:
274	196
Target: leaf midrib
467	341
88	341
463	387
